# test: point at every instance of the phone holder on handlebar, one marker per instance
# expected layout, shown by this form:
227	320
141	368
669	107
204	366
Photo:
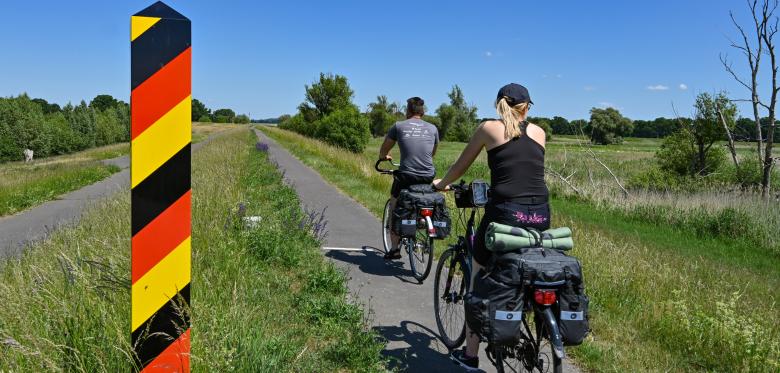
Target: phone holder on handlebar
474	194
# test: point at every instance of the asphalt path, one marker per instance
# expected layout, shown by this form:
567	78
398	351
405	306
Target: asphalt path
34	224
399	308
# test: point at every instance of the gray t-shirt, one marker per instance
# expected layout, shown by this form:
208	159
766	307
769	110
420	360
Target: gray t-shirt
416	139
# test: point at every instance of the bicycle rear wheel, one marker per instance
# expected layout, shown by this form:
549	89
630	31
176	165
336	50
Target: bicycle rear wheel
449	289
420	250
386	228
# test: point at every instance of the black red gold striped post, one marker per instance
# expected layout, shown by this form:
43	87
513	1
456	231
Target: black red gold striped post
160	105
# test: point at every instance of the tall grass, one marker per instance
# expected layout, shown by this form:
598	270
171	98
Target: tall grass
263	299
661	301
22	187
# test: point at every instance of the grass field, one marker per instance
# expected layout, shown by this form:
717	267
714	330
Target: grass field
663	297
263	299
24	185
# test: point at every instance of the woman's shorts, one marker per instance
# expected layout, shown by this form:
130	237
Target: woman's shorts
510	213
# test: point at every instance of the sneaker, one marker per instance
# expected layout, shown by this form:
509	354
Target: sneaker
471	364
393	254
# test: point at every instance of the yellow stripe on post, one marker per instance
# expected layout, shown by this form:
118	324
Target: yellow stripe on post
161	284
161	141
139	25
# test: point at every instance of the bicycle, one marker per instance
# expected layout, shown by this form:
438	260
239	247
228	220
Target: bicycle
539	349
419	248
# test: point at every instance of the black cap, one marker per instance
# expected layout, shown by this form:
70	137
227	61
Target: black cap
515	94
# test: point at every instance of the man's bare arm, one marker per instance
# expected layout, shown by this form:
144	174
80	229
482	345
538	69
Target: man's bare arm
384	150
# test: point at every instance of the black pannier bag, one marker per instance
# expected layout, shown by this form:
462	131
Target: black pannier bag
410	201
548	265
494	310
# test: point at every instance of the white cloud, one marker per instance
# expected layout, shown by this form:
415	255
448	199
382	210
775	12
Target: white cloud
605	104
657	87
683	86
589	88
488	54
559	76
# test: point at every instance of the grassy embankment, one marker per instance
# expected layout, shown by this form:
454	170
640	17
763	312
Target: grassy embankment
24	185
263	299
663	297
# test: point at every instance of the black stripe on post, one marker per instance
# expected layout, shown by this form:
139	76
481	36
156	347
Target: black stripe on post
160	189
163	328
156	47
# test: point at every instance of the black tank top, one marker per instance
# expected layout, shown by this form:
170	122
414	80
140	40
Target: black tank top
517	168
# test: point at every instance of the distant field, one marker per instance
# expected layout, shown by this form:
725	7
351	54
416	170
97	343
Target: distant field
24	185
676	283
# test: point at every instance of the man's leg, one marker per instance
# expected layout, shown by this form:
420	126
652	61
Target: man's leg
393	237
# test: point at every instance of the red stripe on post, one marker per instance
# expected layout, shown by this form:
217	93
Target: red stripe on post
175	358
160	93
161	236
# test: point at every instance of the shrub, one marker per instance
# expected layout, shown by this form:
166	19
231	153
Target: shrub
345	128
678	154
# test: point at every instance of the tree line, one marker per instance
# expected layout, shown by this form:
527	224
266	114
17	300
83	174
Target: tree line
201	113
456	120
48	129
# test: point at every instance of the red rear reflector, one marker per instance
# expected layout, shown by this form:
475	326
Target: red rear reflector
426	212
544	297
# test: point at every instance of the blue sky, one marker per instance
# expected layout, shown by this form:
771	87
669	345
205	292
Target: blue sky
256	56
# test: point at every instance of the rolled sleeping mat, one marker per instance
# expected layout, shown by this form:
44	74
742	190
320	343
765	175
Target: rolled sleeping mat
564	244
507	229
561	232
499	242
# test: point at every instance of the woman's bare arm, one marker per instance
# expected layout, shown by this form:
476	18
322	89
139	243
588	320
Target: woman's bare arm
466	158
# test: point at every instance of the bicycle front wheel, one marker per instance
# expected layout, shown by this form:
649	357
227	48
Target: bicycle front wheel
450	285
420	251
386	228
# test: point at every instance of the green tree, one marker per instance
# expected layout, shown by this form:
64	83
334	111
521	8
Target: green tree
199	110
458	120
707	128
21	127
224	116
330	93
382	114
561	126
103	102
608	126
242	119
47	107
329	114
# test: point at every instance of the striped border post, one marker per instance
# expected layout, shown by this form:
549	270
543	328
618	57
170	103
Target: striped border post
161	126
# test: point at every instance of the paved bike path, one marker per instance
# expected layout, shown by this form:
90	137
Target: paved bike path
35	224
400	309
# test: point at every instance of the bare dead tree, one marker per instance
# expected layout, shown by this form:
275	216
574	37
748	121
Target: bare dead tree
765	27
770	30
753	55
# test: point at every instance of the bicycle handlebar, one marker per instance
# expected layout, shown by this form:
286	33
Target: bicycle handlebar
384	171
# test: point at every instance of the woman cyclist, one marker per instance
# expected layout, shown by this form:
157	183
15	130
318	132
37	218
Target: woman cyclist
518	195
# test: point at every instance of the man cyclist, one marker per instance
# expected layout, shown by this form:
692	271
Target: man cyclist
417	141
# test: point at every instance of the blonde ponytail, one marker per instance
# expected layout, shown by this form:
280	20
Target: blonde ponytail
511	116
